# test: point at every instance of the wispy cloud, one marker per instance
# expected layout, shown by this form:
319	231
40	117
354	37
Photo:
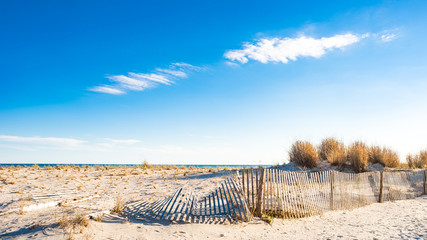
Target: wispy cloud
153	77
175	73
290	49
130	83
122	141
109	143
388	37
109	90
121	84
70	142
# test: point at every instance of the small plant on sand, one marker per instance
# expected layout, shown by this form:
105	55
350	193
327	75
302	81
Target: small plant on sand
146	165
22	203
303	154
73	225
333	151
417	161
267	218
383	156
118	204
358	155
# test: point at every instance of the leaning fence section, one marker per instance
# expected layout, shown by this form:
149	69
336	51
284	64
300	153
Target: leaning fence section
300	194
224	203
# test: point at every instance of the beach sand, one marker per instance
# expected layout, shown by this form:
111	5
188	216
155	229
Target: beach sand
94	190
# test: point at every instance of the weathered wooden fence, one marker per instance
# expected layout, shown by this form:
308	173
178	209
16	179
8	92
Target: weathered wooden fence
225	203
300	194
254	192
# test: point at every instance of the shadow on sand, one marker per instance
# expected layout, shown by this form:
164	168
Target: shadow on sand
38	231
110	218
205	175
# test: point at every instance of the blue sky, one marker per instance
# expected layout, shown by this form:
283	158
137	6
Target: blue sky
196	82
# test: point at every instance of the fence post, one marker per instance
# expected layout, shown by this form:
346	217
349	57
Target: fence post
425	180
259	193
243	181
332	190
381	187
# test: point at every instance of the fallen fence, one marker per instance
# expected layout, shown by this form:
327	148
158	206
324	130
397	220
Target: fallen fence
259	191
225	203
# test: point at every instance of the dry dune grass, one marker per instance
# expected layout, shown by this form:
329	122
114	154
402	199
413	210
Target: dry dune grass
384	156
304	154
326	146
74	225
417	160
333	151
358	155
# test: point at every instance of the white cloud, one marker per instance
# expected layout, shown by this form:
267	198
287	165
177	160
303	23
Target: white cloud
152	77
130	83
232	64
105	89
43	140
140	81
175	73
388	37
186	66
286	49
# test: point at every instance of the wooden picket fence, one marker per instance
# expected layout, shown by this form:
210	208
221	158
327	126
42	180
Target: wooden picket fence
300	194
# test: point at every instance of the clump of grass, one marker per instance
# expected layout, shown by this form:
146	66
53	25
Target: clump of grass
333	151
118	204
338	157
268	218
303	154
74	224
80	220
326	146
358	155
146	165
418	160
383	156
21	204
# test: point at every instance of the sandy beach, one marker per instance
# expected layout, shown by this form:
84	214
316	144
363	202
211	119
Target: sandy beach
44	203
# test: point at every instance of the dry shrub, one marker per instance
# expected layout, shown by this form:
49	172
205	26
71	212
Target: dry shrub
303	154
333	151
326	146
338	157
358	155
417	161
383	156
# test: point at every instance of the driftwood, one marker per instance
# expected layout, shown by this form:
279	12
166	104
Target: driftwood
39	206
